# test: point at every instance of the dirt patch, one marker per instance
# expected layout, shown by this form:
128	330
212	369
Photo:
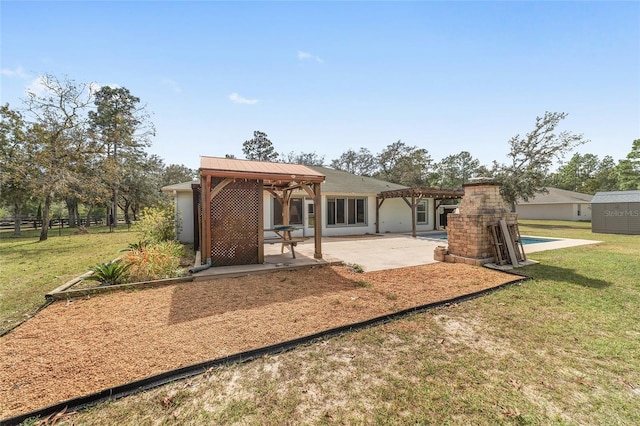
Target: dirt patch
77	347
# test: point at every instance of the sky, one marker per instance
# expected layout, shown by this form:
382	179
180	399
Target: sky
326	77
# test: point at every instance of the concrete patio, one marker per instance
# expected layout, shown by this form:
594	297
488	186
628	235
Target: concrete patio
371	252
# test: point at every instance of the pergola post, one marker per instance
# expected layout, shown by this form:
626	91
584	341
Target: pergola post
317	226
206	215
261	223
413	216
379	202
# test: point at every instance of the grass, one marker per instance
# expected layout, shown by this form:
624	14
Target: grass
561	349
29	269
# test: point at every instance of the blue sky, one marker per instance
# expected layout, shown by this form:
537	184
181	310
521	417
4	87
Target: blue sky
329	76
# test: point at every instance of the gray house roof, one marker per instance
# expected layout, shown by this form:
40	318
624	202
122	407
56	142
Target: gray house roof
558	196
184	186
617	197
339	182
336	182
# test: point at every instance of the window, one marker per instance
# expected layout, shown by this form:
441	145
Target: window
421	213
295	212
579	209
346	211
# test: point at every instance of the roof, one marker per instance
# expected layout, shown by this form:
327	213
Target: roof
436	193
184	186
271	173
341	182
558	196
617	197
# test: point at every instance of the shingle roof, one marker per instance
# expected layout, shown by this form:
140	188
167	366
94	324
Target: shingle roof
558	196
336	182
184	186
617	197
339	182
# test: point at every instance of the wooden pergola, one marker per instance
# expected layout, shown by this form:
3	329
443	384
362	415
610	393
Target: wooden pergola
232	225
413	196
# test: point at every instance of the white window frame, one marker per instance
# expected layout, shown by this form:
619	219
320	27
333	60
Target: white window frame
425	205
353	212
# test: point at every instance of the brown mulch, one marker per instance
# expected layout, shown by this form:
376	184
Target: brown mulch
73	348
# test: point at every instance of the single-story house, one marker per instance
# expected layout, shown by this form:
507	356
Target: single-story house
351	205
616	212
557	204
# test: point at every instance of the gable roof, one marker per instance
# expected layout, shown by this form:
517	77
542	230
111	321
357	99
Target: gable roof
558	196
617	197
336	182
340	182
184	186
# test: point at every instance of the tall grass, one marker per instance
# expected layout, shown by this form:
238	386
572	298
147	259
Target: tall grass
154	261
29	269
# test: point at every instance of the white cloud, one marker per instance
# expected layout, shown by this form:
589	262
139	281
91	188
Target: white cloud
17	72
236	98
38	86
171	84
93	88
304	56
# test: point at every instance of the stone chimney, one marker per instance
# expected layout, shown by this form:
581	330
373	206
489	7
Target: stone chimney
467	229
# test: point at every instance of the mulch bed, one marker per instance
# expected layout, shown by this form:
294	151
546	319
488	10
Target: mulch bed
73	348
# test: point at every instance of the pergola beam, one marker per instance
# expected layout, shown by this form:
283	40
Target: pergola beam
416	195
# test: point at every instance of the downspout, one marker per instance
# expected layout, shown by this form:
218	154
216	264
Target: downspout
199	268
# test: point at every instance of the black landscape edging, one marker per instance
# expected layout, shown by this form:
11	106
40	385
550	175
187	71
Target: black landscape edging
150	382
19	323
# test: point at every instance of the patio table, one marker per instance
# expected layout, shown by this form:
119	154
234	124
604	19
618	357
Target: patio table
283	236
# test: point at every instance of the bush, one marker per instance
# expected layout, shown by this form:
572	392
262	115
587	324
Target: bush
155	261
110	273
158	223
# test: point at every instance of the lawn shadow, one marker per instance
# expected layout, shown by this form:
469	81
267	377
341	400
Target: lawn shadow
556	273
207	298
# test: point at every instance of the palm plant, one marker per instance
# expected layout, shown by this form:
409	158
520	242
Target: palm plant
111	273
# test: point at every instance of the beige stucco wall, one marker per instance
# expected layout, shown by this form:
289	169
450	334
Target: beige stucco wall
554	211
395	216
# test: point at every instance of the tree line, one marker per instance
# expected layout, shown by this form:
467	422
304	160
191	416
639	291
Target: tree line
82	145
529	168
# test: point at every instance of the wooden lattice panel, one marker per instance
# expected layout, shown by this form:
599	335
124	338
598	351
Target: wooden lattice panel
234	223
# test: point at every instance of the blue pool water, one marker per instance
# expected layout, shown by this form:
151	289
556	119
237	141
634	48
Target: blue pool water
525	240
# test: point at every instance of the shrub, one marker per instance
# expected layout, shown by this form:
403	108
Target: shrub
111	273
140	245
155	261
158	223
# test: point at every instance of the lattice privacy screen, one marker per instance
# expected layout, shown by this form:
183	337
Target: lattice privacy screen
234	223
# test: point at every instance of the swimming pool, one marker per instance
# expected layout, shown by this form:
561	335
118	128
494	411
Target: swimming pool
525	240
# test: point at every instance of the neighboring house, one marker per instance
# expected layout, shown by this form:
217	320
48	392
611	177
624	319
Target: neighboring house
349	205
557	204
616	212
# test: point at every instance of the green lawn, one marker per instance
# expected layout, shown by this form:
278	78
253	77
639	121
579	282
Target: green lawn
29	269
561	349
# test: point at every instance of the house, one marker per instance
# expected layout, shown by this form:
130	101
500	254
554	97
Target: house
350	204
616	212
557	204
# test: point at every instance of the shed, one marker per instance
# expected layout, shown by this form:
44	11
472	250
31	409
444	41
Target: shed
616	212
231	227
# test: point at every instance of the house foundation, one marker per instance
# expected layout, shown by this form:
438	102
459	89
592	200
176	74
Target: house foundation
468	229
